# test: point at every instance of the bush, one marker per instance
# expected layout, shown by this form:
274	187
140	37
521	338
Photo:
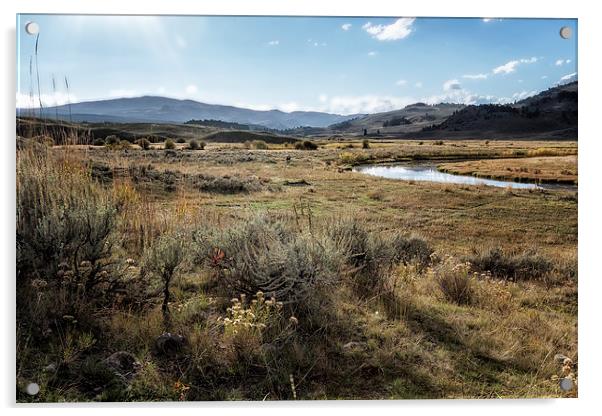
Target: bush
365	144
371	256
112	139
438	143
195	145
227	184
306	145
163	259
264	256
169	144
181	140
260	145
454	281
144	144
98	142
513	266
63	216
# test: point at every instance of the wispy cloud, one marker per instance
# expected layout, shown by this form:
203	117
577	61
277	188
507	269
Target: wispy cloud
401	82
561	62
418	84
451	84
48	100
399	29
346	26
191	89
365	104
275	42
372	53
475	76
511	66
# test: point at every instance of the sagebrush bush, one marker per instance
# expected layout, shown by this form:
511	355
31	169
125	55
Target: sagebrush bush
306	145
143	143
371	256
263	255
227	184
98	142
62	216
260	144
194	145
455	281
365	144
181	140
112	139
514	266
169	144
163	259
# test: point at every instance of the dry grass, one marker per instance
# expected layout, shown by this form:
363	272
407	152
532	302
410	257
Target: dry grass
410	337
554	169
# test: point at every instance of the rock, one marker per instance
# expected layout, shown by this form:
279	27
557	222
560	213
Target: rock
170	344
50	368
124	364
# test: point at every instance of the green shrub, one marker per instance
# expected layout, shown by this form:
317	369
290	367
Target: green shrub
112	139
514	266
163	260
306	145
455	281
366	144
63	216
98	142
227	184
259	144
195	145
143	143
181	140
169	144
265	256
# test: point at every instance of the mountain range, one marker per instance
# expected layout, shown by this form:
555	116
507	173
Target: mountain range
549	114
152	109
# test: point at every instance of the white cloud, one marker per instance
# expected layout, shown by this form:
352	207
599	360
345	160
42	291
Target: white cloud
323	98
161	90
346	26
507	68
191	89
418	84
401	82
561	62
544	77
399	29
365	104
475	76
568	78
372	53
511	66
289	107
451	84
274	42
48	100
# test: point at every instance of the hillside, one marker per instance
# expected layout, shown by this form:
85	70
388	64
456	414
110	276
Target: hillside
549	114
169	110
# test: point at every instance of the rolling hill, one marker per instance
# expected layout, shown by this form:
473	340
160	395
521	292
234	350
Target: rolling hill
151	109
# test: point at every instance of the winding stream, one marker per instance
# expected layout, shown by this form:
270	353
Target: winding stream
430	173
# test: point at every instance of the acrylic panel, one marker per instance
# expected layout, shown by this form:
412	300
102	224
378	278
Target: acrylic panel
295	208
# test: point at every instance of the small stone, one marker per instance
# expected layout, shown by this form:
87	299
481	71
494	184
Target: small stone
559	358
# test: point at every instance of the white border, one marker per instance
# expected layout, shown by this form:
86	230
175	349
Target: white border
590	149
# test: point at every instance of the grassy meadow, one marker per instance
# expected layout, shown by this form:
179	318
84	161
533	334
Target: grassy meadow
267	271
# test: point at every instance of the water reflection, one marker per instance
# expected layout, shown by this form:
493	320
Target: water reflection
431	174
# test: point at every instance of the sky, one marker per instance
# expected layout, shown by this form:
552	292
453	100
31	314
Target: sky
342	65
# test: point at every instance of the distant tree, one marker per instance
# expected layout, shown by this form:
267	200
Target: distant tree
365	132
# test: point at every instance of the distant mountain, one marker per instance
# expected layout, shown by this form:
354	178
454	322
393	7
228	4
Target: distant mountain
549	114
150	109
411	118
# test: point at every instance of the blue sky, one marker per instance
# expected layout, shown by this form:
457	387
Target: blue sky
341	65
